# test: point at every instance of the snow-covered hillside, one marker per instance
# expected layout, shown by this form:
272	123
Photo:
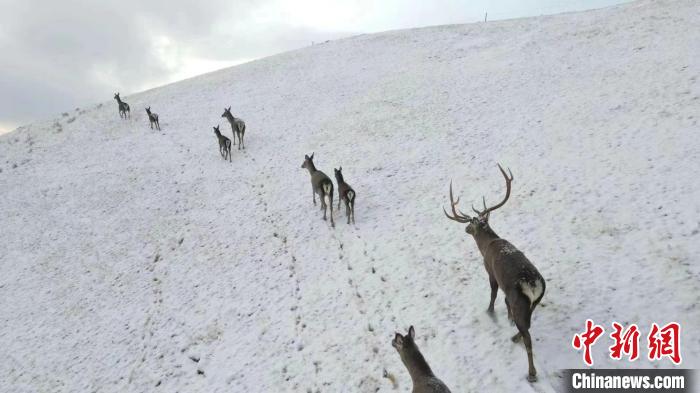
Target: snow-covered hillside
138	261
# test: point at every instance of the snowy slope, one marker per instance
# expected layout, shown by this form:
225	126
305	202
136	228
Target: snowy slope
138	261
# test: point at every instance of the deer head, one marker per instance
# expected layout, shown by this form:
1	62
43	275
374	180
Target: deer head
148	110
216	130
401	343
338	173
480	223
116	96
227	112
308	161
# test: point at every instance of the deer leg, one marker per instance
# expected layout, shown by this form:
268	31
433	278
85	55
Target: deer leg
330	203
531	372
510	313
352	210
313	194
323	206
494	292
520	305
347	209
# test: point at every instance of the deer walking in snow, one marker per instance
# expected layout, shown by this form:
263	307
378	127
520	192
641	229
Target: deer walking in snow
345	194
321	185
424	381
153	118
508	269
237	127
224	144
123	107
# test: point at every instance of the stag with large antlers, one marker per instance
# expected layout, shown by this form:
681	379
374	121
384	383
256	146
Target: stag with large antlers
507	267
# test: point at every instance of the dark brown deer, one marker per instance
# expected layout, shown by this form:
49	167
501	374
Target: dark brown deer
424	381
321	185
237	127
224	144
123	107
507	267
153	118
345	194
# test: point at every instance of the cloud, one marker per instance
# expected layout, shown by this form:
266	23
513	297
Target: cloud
59	55
56	55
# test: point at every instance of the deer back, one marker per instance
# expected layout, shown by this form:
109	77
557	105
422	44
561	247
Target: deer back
238	125
318	178
343	189
511	268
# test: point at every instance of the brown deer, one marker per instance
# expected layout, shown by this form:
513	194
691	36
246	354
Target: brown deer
224	144
321	185
237	127
507	267
345	194
123	107
153	118
424	381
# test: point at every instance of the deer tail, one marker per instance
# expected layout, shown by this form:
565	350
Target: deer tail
351	196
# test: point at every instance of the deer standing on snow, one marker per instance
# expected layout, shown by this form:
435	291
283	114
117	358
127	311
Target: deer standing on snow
507	267
153	118
237	127
424	381
321	185
345	194
123	107
224	144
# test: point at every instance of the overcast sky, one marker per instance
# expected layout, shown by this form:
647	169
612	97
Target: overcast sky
56	55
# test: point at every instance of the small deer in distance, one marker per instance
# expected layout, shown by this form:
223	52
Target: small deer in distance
153	118
424	381
345	194
237	127
224	144
508	269
321	185
123	107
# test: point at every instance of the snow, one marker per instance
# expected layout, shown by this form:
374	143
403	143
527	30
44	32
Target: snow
133	260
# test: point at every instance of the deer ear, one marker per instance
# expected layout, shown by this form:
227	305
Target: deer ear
398	339
412	332
340	168
312	156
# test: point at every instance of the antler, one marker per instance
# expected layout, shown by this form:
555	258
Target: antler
488	210
456	216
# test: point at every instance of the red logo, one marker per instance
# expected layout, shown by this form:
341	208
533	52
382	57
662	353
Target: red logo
586	339
627	343
665	341
662	341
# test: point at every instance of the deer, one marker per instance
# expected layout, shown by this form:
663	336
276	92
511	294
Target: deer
237	127
123	107
153	118
224	144
507	268
424	381
321	185
345	194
